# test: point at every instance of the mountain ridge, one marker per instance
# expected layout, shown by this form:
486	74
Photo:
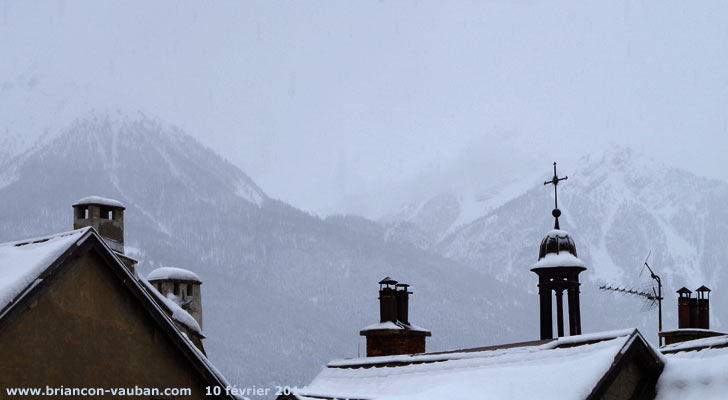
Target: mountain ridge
283	290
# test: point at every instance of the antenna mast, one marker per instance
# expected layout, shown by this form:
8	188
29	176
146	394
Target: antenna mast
652	296
659	295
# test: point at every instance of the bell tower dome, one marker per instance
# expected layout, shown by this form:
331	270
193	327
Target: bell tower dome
558	270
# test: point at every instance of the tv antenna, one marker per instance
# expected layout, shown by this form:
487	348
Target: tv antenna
651	292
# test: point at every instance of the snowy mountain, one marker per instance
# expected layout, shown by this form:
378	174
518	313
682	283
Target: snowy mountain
283	291
35	106
618	205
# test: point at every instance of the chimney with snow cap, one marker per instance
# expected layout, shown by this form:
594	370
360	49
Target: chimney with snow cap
394	334
182	287
106	216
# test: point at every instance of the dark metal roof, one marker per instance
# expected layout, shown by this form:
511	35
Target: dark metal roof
555	242
684	290
702	289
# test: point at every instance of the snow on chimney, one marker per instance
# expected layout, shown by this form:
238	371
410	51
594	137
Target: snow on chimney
394	334
106	216
182	287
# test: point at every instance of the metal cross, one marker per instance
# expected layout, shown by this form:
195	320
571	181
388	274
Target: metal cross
555	181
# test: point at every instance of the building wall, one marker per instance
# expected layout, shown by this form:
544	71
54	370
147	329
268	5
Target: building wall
87	330
626	383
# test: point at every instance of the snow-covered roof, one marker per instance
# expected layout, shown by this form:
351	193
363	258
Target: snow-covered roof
103	201
393	325
562	259
171	273
695	373
21	262
574	364
704	343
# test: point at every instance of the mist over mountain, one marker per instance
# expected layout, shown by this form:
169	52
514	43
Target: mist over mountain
283	291
618	205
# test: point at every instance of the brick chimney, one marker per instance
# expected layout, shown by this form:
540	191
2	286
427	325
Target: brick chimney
394	334
683	308
693	317
703	306
106	216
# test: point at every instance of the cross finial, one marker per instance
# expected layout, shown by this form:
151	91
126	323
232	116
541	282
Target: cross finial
555	181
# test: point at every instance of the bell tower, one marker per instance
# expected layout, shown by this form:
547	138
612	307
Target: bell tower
558	270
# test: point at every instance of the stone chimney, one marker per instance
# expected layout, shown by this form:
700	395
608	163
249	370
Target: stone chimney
394	334
182	287
106	216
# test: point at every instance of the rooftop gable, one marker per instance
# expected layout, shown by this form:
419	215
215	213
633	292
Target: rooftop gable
577	365
24	261
27	267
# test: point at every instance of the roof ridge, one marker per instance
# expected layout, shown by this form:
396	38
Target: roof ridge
41	239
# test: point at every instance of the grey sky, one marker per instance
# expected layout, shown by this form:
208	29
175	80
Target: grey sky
322	100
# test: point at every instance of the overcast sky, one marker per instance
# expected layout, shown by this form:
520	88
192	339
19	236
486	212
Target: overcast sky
322	100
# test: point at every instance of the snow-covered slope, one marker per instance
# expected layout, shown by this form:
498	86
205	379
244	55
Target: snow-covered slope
425	223
285	291
618	205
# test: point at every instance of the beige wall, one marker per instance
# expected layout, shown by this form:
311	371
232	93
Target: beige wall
87	330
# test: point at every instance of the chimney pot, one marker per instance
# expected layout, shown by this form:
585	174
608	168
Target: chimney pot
387	300
703	306
683	308
402	295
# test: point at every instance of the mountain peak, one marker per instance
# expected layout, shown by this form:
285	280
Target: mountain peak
40	103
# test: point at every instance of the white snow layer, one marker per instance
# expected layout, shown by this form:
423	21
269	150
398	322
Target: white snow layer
171	273
701	374
21	262
100	201
557	233
393	325
562	259
512	373
178	314
713	341
382	325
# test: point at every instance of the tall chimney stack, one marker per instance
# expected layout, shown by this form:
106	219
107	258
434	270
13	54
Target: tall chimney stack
106	216
683	308
394	334
387	300
703	301
402	294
